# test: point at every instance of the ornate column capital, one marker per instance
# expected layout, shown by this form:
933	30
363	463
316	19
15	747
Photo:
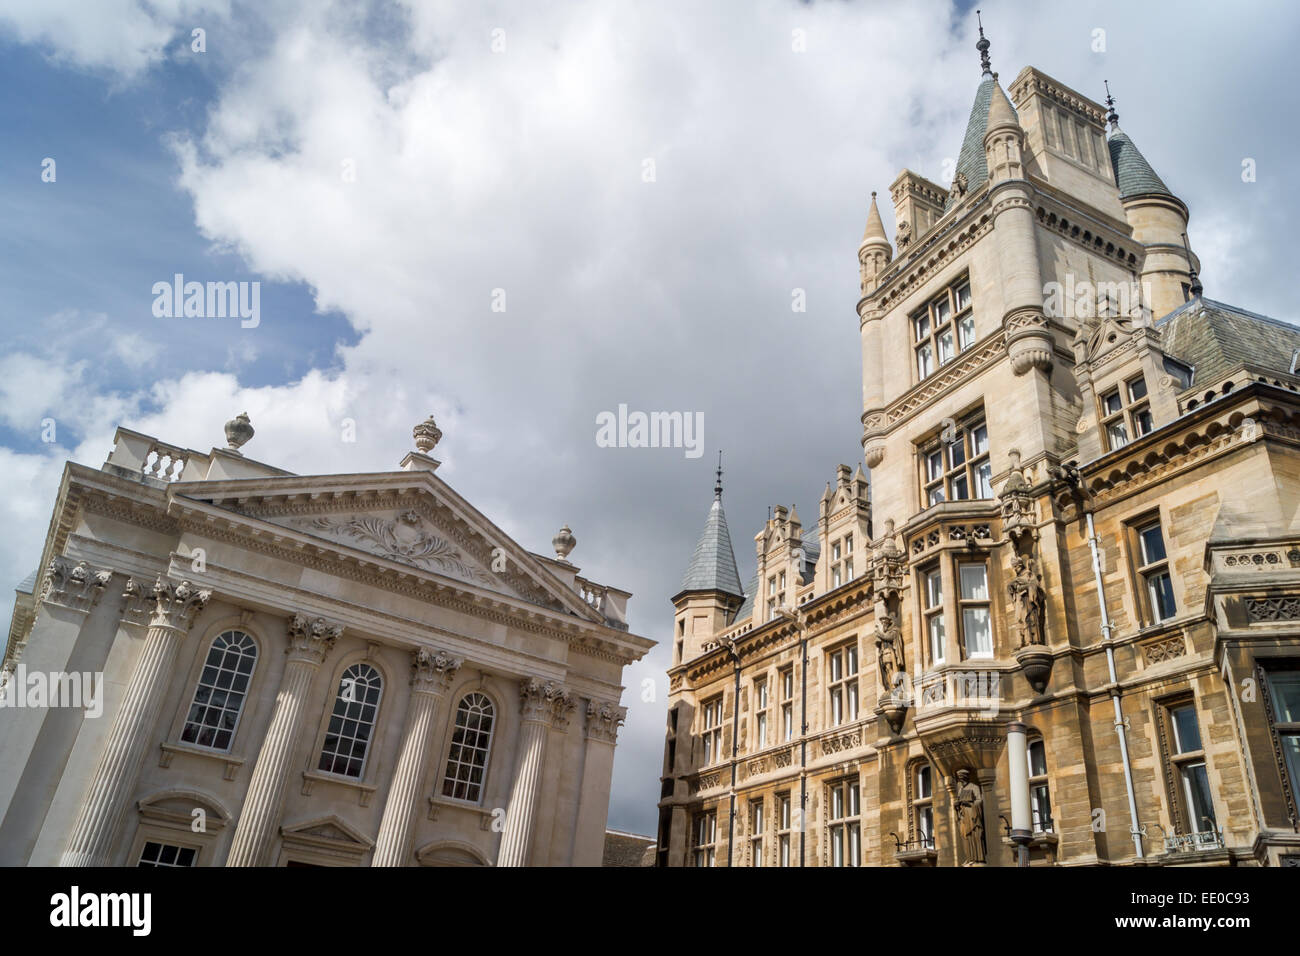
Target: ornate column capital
310	639
432	671
166	604
76	586
545	702
603	720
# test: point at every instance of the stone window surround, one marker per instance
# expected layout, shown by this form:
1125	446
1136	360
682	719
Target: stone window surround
1145	613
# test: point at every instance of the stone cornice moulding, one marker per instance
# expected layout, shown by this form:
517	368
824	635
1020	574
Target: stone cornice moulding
347	491
822	616
1214	429
583	635
135	503
344	560
366	623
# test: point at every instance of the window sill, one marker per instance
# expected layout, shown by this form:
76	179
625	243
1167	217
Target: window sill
232	761
438	804
365	791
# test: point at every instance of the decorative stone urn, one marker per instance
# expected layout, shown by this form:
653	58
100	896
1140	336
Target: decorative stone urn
1036	661
238	431
563	543
427	434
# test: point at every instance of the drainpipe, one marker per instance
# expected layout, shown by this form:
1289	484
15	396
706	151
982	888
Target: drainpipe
1120	722
797	617
803	742
735	739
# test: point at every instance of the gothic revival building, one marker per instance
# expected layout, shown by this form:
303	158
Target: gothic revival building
1062	625
222	663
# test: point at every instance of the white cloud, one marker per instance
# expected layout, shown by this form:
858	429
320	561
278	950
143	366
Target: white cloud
125	37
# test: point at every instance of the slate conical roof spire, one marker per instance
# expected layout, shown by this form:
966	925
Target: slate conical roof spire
713	563
972	168
1133	174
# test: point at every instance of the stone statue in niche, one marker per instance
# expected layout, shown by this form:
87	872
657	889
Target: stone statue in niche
969	804
889	653
1026	592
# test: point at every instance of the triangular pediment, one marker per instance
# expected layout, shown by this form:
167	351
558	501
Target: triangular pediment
1111	333
410	519
330	830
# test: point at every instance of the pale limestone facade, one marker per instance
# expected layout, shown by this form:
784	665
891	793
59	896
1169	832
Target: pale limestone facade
415	687
1061	622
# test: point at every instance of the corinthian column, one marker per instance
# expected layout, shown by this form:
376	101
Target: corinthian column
541	704
172	612
431	674
309	642
603	720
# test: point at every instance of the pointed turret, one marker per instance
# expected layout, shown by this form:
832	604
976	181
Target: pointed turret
711	591
874	252
713	563
971	170
1004	140
1159	221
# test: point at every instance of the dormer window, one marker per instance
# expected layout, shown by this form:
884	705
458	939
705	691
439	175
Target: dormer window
943	329
1126	413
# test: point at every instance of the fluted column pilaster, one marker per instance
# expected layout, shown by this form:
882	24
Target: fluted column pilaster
309	642
173	608
541	703
431	674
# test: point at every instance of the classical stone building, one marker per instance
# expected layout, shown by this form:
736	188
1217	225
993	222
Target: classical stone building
1061	625
225	663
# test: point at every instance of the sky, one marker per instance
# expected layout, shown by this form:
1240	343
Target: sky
519	216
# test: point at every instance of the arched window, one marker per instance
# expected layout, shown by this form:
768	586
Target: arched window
219	696
470	745
353	722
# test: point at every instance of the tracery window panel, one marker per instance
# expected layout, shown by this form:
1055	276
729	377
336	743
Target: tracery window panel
471	746
352	723
221	691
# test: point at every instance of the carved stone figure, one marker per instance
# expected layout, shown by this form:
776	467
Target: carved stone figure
970	817
1015	502
958	186
889	653
1026	593
904	234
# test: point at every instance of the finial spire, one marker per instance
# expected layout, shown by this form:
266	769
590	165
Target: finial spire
983	47
1111	116
1195	285
717	486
